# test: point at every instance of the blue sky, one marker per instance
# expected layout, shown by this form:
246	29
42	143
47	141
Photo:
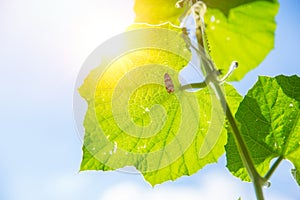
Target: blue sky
43	45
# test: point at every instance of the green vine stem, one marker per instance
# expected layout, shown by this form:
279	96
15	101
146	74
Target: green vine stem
194	85
257	180
212	81
273	168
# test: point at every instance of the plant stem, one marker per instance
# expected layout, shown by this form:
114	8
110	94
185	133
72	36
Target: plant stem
272	169
193	85
212	81
257	180
244	153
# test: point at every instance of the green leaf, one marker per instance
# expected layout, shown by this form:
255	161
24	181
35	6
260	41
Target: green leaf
296	175
157	12
133	121
245	35
236	30
269	121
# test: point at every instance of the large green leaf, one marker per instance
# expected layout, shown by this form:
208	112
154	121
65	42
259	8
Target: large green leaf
269	119
236	30
133	121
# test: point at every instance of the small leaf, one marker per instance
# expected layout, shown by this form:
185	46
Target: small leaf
269	121
296	175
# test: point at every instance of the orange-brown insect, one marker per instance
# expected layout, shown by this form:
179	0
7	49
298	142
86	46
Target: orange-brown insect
169	83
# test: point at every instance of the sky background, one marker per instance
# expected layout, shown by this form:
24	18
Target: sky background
42	47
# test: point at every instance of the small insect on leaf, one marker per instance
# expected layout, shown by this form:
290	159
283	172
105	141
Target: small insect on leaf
169	83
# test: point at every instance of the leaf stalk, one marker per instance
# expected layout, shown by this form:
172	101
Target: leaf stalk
273	168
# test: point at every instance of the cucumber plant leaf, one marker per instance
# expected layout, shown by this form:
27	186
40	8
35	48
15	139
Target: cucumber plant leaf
236	30
269	120
133	121
157	12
